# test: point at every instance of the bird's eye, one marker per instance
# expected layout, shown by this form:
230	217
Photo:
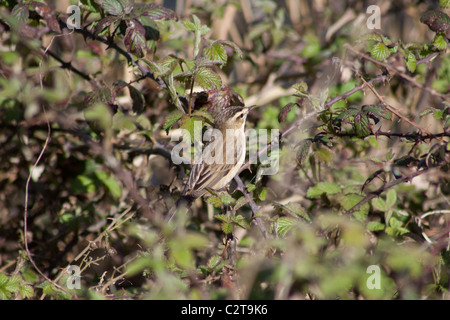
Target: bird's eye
241	116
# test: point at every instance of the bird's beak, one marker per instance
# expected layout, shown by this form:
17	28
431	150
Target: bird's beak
250	108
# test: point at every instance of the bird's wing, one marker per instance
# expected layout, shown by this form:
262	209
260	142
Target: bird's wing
205	176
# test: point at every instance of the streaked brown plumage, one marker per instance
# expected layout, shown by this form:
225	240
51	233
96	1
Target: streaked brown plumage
213	174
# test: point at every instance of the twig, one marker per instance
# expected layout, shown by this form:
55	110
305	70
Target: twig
401	74
253	206
25	215
380	98
391	184
131	60
67	65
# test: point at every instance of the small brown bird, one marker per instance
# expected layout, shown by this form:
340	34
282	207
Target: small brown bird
222	156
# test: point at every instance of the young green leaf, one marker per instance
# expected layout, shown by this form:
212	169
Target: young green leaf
411	62
216	52
375	226
171	119
380	51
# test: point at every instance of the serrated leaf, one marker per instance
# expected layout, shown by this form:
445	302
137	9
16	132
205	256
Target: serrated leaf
215	201
227	228
204	114
3	279
294	209
115	7
189	25
377	110
233	46
372	37
171	119
26	291
191	124
226	199
104	23
326	187
380	51
208	79
216	52
155	12
285	224
240	221
20	12
221	217
134	38
362	125
439	42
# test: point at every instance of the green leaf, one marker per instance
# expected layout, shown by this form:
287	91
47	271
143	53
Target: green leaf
202	113
380	51
215	201
375	226
216	52
362	125
191	125
111	183
411	62
326	187
221	217
285	224
348	201
391	197
26	291
115	7
294	209
227	228
231	45
263	194
439	42
208	79
241	222
226	199
171	119
379	204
